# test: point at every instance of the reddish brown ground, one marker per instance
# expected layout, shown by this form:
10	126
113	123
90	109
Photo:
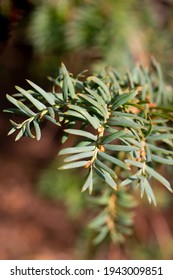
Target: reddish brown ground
30	227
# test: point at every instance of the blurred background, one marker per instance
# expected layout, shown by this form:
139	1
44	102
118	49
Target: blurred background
42	211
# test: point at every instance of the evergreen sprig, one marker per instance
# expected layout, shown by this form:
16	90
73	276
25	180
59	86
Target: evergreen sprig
122	127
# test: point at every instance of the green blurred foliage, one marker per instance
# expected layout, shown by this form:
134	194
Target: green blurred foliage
94	33
65	187
47	27
110	32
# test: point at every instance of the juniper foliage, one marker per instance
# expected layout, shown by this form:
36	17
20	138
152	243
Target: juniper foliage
122	127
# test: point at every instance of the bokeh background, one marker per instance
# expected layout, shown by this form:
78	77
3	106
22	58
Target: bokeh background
42	211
